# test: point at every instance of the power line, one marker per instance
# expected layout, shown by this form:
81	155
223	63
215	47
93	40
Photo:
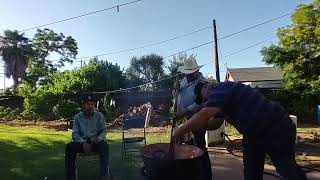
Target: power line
253	45
241	50
135	87
148	45
126	89
184	35
252	27
145	84
80	16
192	48
230	54
221	56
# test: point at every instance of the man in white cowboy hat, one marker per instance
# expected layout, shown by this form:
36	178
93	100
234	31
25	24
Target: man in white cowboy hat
186	98
187	106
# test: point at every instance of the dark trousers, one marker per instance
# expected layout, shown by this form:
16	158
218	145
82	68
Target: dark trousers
278	143
200	142
73	148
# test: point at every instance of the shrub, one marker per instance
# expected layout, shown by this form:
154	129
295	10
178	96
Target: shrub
4	111
13	114
37	103
65	109
8	113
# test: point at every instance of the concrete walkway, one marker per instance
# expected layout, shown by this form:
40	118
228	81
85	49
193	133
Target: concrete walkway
225	166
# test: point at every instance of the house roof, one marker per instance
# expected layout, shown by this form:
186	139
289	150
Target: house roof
255	74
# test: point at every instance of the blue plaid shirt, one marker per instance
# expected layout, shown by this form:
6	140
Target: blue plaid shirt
248	110
93	127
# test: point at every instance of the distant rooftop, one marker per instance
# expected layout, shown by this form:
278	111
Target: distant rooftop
254	74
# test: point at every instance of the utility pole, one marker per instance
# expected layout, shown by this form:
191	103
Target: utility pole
4	77
81	62
211	135
216	57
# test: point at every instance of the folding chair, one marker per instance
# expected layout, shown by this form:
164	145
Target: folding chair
92	158
131	132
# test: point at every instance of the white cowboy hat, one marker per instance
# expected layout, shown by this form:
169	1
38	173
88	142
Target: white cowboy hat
189	66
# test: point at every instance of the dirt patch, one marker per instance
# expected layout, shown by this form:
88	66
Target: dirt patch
56	125
63	126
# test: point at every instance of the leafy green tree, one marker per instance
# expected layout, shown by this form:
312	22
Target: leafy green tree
46	42
29	60
133	78
298	55
176	62
92	77
96	76
15	50
148	68
66	109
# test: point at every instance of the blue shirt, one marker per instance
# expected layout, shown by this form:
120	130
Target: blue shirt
248	110
93	127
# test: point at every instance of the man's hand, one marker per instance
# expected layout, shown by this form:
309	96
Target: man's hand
197	121
179	133
87	147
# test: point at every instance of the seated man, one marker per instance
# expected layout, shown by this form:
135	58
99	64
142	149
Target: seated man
88	135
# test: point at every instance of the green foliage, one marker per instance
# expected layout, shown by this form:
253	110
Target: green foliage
8	113
176	62
297	54
173	69
4	112
44	43
294	103
65	109
15	50
148	69
28	60
34	152
111	113
95	76
133	78
13	114
39	104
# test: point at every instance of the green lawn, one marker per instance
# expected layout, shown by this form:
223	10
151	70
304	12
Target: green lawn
32	153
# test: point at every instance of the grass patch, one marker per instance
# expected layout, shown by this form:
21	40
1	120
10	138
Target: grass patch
29	153
231	131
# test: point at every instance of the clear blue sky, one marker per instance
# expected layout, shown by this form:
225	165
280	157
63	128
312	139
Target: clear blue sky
155	20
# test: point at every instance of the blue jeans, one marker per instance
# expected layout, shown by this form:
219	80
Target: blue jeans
278	143
73	148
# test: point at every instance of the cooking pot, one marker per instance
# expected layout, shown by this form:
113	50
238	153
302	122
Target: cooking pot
186	164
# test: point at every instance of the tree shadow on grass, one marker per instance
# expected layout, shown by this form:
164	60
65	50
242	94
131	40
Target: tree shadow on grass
127	168
35	161
38	159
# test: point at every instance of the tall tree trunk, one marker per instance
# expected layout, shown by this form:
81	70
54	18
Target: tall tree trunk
15	83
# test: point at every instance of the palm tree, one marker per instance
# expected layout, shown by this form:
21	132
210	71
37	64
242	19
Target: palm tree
15	50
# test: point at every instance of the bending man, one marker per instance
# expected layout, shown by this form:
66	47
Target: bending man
266	127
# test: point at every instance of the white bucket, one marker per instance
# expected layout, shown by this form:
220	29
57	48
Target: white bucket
295	121
214	136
